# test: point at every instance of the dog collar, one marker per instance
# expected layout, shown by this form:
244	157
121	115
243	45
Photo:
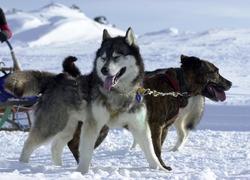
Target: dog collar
182	85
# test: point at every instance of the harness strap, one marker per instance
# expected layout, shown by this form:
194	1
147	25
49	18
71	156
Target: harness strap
113	113
180	88
174	84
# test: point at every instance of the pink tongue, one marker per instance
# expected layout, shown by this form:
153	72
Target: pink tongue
108	83
219	94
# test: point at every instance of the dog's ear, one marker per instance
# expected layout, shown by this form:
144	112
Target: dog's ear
183	57
191	61
130	37
105	35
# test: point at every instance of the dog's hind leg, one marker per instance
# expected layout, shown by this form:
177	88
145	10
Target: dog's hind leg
165	130
73	144
103	134
60	140
158	136
34	141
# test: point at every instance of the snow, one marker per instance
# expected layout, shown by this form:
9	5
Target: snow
54	23
149	16
218	149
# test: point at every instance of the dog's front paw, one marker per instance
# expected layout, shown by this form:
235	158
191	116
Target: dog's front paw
156	166
167	168
174	150
82	170
135	145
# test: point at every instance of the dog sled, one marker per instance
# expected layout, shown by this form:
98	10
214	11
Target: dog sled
13	110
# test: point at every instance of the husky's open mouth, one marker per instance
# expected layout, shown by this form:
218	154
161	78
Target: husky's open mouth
215	92
111	81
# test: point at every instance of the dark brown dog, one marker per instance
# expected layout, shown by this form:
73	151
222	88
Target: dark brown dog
195	77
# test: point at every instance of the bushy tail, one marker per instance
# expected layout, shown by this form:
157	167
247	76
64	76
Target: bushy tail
27	83
70	67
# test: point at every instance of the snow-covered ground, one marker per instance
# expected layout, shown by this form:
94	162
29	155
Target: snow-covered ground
218	149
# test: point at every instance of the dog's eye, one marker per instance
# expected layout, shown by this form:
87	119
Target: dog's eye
216	75
210	75
116	57
103	58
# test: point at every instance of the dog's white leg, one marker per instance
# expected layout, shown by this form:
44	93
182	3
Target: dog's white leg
181	134
143	137
89	133
60	140
57	149
141	132
135	145
28	148
33	142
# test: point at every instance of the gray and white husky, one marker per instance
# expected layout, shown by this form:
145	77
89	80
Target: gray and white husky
107	96
118	73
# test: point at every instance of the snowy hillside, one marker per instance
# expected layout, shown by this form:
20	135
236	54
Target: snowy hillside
219	149
54	23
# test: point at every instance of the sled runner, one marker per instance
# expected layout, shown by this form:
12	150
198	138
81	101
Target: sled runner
11	105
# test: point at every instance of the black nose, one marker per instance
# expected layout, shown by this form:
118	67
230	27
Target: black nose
105	70
229	83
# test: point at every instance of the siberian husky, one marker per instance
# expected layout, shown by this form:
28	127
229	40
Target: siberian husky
107	96
117	75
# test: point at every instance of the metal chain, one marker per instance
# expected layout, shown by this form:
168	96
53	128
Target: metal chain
143	91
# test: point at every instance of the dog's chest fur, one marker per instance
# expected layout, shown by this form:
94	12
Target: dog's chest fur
117	109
